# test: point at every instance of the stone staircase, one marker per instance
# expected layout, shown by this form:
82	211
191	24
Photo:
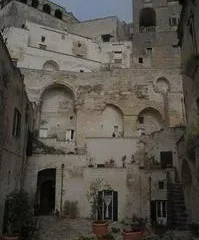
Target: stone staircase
177	215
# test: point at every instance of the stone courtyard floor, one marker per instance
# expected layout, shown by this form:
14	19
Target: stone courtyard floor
52	228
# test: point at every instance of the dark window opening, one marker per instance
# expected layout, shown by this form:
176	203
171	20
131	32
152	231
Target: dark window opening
166	159
43	39
35	3
197	104
100	165
173	21
47	8
140	60
161	184
23	1
72	134
147	18
106	37
81	70
58	14
16	131
79	44
141	120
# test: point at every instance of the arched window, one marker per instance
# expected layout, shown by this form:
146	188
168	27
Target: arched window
47	8
35	3
23	1
147	18
51	66
58	14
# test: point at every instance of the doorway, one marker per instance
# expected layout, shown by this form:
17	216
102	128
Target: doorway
45	197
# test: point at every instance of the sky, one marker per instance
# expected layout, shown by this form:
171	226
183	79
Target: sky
90	9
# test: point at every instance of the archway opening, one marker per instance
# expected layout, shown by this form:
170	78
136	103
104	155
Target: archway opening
58	14
149	120
47	8
147	19
35	3
45	197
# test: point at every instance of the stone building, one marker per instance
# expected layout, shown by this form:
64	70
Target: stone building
15	126
108	103
188	147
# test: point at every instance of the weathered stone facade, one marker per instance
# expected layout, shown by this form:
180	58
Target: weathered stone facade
105	106
15	126
188	145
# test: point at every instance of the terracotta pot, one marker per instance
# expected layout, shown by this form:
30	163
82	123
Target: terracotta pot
133	235
4	237
100	228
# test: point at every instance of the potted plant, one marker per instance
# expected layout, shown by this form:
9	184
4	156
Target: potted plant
19	220
99	226
135	230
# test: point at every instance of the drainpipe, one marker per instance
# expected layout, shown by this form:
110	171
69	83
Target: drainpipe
62	181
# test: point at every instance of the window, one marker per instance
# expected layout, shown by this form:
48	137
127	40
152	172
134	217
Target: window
81	70
149	51
70	134
16	131
47	8
173	21
58	14
141	120
166	159
140	60
43	39
35	3
106	37
43	132
161	209
161	184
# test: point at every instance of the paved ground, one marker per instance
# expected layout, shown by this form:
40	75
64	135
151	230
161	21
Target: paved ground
52	228
61	229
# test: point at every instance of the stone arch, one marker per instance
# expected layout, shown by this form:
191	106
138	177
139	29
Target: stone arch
35	3
47	8
149	120
58	13
112	121
162	85
147	17
57	113
51	65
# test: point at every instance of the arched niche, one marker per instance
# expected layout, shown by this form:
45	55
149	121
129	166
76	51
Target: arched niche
47	8
51	66
162	85
35	3
58	13
112	121
57	113
147	18
149	120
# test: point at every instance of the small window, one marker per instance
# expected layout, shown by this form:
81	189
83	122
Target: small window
43	132
166	159
16	131
70	134
58	14
173	21
161	185
141	120
47	8
43	39
149	51
79	44
140	60
106	37
81	70
35	3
